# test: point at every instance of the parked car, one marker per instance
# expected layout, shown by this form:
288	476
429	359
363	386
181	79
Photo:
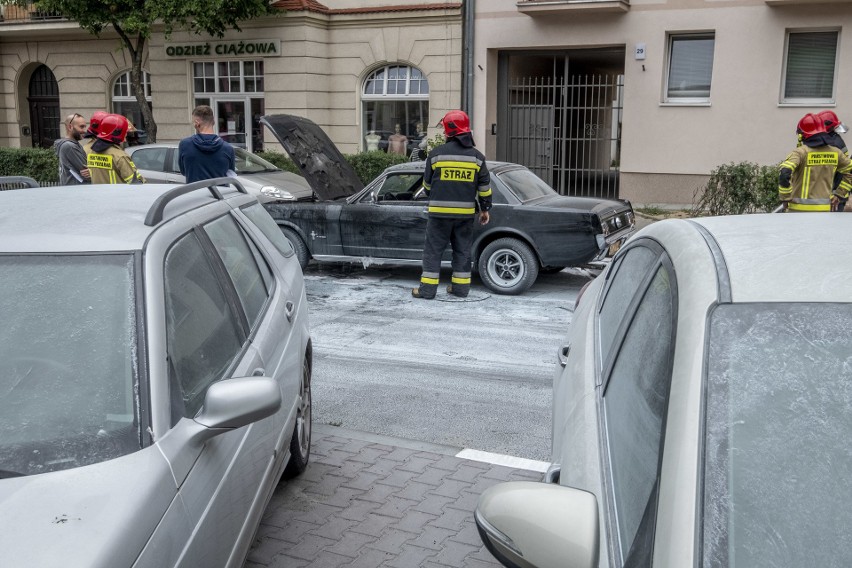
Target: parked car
701	407
532	227
158	163
155	374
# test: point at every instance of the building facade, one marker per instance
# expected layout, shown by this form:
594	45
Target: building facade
371	73
642	99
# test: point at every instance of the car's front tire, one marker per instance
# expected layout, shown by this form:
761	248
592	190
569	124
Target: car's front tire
508	266
300	443
298	245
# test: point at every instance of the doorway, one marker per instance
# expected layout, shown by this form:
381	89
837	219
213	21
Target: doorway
562	112
43	100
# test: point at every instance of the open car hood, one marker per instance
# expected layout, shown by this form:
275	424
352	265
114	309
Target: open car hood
327	171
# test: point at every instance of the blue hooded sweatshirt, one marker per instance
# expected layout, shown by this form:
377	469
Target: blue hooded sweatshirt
205	156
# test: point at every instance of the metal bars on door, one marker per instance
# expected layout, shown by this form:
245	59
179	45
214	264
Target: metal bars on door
568	131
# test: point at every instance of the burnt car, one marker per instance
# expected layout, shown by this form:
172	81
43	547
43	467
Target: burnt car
533	229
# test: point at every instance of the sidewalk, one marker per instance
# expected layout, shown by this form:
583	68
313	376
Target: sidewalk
372	501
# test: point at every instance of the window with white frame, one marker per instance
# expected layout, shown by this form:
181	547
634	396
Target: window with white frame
124	97
690	67
234	89
395	109
810	66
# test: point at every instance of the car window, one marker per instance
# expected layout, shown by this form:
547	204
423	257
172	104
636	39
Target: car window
525	184
202	334
623	280
175	166
399	187
241	264
634	404
267	225
248	163
150	159
69	392
777	457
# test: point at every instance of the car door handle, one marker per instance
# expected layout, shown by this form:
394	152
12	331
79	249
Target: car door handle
259	372
289	309
562	354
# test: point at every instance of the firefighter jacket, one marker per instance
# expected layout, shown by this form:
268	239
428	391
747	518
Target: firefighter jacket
806	178
455	178
108	163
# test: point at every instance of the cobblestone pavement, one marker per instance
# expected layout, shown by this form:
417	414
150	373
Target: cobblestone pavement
371	501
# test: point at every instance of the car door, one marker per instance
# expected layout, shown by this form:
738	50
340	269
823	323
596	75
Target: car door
155	164
636	325
208	340
386	222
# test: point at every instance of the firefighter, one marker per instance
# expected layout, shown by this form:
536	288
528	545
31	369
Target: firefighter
834	128
107	161
92	131
455	178
806	176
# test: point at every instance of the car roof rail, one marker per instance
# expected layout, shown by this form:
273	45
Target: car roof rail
155	213
17	182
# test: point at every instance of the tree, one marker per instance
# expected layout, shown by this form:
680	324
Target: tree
134	21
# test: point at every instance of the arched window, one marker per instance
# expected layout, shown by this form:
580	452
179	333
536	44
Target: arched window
395	103
124	97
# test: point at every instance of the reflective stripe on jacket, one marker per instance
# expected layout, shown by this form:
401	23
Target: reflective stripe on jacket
112	165
807	175
456	177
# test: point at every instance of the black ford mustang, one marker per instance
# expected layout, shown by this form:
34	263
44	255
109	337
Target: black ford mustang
532	227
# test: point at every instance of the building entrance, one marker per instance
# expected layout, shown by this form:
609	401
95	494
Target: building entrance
562	116
43	101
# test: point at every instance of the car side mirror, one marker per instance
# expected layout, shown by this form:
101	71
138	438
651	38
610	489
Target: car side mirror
234	403
542	525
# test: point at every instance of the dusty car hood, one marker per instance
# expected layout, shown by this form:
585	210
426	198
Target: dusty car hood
592	205
327	171
100	515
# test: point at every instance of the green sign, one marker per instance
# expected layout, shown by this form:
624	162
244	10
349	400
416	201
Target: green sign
242	48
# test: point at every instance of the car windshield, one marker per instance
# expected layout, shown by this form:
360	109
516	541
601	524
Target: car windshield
777	452
248	163
525	185
68	386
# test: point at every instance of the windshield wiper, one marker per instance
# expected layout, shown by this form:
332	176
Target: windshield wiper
5	473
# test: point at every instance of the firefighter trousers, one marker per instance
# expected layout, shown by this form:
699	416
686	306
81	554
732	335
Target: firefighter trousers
441	231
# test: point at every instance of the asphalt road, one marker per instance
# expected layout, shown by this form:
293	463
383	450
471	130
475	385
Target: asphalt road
474	373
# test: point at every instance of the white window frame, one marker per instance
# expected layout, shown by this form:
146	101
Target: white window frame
808	101
384	96
123	79
671	38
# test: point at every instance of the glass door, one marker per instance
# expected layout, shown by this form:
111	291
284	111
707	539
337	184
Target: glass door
231	122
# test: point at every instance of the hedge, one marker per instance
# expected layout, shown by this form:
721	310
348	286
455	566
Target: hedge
737	188
38	163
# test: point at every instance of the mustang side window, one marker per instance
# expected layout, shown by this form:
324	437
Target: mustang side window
202	334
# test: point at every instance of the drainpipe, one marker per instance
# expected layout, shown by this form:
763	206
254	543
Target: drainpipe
468	10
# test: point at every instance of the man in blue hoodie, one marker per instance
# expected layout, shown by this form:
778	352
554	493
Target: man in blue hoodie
204	155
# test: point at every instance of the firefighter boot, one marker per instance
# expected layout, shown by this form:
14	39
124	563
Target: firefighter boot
423	293
457	290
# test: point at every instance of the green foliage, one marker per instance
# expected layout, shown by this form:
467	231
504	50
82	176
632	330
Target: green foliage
38	163
368	165
281	160
435	141
737	188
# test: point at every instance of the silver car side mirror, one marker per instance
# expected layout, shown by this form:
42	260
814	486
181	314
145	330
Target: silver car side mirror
234	403
524	523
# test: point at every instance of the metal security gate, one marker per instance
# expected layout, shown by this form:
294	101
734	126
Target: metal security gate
568	131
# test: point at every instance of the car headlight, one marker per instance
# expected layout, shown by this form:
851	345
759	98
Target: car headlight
276	192
618	222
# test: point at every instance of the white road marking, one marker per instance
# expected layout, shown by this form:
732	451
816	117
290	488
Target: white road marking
500	459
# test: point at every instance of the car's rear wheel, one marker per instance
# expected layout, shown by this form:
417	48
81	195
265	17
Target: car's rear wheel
298	245
508	266
300	443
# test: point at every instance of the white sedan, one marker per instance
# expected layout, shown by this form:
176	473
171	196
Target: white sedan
701	414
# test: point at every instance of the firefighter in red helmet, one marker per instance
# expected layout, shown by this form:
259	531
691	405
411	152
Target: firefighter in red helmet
806	176
107	161
834	128
456	180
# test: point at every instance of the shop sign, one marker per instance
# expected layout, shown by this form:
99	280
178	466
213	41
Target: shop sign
253	47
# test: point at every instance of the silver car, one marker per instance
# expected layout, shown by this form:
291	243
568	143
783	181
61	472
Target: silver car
158	163
701	414
155	374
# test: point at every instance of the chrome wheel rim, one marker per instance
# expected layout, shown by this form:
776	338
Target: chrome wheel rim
506	268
